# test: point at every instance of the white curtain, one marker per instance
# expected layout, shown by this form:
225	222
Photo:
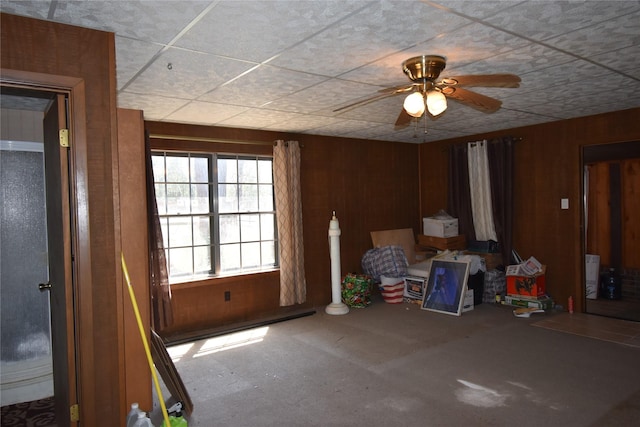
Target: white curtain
286	175
480	186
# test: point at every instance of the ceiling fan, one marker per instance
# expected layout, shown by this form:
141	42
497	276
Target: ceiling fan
429	94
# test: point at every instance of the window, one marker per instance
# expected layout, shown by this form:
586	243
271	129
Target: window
217	213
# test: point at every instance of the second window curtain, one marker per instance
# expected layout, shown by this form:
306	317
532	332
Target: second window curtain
286	176
500	162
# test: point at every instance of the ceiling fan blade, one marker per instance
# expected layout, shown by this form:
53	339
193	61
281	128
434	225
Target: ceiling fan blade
403	119
473	99
484	80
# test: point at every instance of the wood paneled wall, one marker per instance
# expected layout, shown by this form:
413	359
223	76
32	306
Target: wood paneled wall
132	210
548	167
371	185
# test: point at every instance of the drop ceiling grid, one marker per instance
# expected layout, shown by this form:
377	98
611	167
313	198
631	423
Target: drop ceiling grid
286	65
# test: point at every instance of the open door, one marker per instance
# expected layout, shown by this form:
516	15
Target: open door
61	287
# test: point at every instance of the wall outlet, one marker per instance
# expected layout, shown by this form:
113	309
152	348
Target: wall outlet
564	203
227	295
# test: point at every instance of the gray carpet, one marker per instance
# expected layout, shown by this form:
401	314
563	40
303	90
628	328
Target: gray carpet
398	365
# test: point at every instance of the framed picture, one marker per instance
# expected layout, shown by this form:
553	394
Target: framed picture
446	286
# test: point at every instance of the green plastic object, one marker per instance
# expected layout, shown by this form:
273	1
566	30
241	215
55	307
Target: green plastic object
177	421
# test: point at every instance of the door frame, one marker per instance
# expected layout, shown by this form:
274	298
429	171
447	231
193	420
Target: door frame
80	287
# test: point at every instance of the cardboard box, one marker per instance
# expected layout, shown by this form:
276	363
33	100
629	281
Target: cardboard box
527	286
440	227
544	303
443	243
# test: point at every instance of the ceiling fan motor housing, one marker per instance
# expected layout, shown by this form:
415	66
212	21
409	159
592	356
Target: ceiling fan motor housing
424	68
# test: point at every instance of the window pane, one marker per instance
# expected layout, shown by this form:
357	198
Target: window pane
229	229
250	254
179	231
202	259
201	230
157	165
199	169
250	227
266	197
247	171
177	169
180	261
265	171
199	198
161	199
268	253
267	229
227	198
248	198
227	170
230	257
178	198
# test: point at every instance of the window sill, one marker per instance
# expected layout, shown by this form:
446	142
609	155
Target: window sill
221	279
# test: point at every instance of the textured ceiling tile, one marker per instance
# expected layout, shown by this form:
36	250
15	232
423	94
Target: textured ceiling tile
342	127
258	30
328	95
560	75
519	61
475	8
586	63
258	118
374	32
35	9
468	44
541	20
190	74
261	86
475	42
378	111
154	107
204	112
143	20
131	56
372	131
296	122
606	36
625	60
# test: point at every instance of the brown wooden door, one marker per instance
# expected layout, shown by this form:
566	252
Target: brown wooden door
59	217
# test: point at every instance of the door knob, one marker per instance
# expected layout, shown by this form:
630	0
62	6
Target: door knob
44	286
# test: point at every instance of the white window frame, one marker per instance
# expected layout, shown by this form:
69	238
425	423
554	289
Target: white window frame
216	245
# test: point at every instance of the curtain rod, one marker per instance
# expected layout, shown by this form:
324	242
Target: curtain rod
203	139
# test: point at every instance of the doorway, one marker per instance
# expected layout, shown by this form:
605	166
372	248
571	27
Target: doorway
612	229
38	329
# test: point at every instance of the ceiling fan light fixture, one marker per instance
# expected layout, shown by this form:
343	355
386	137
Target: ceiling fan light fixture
414	104
436	102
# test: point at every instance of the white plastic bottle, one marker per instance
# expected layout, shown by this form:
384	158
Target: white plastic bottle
142	420
132	416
